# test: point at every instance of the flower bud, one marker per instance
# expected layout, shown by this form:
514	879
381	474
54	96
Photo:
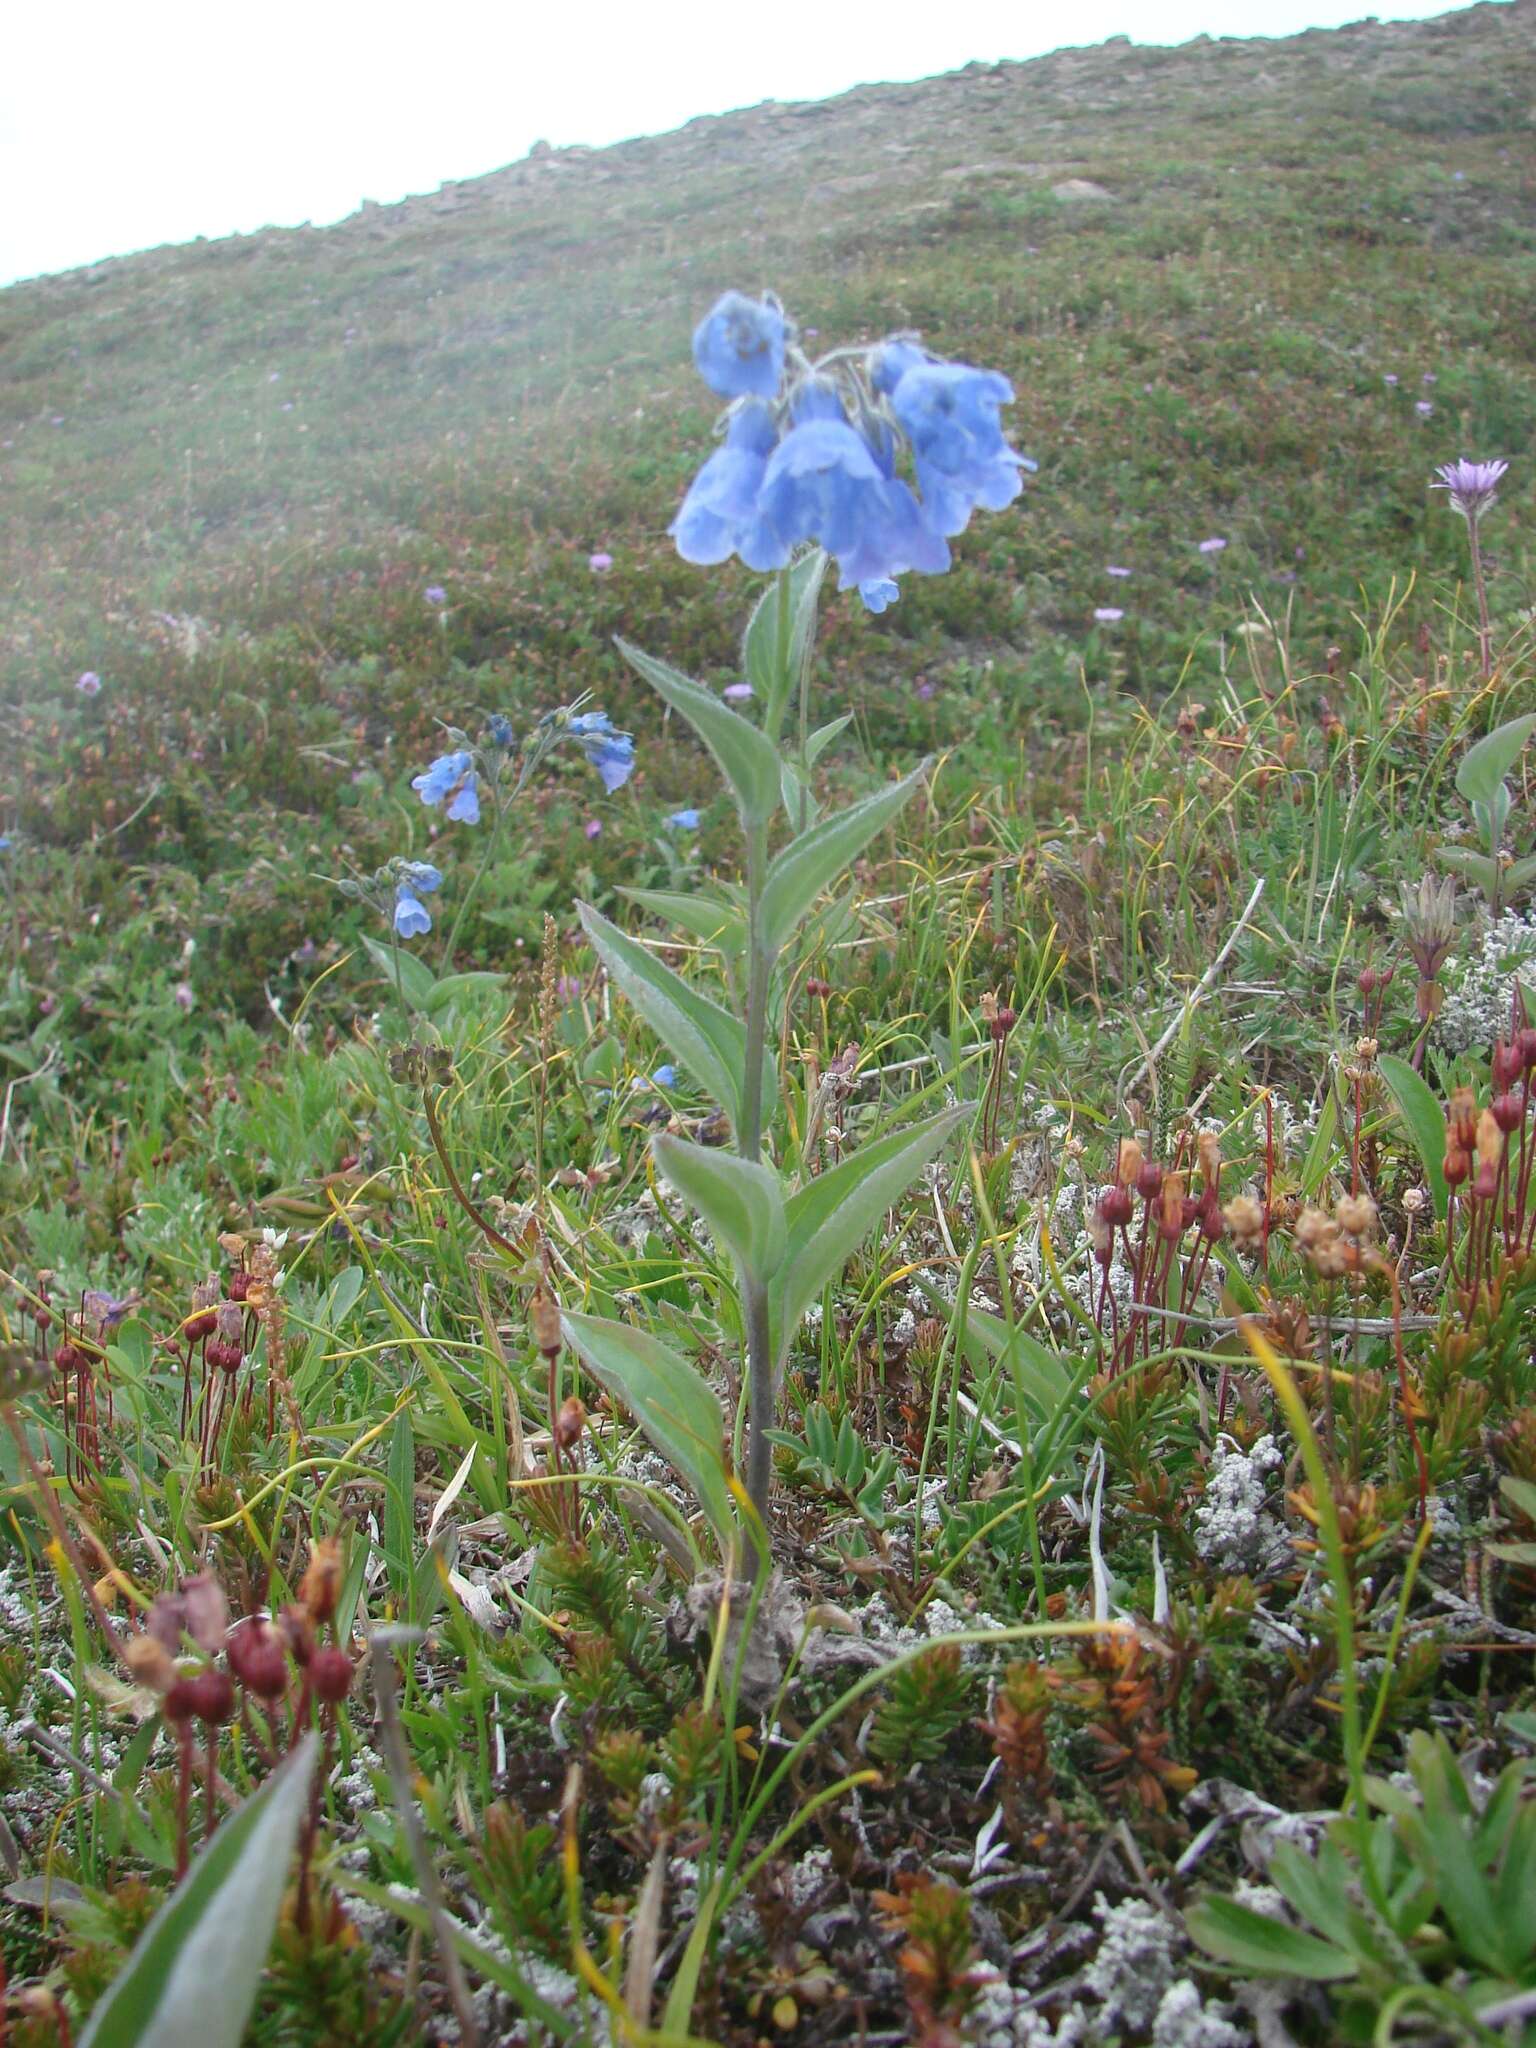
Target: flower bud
1208	1148
569	1423
1490	1140
239	1286
1455	1166
1525	1039
1507	1065
68	1357
1171	1223
1149	1180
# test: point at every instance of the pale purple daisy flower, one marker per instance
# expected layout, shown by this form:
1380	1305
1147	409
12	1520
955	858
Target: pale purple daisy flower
1429	377
1473	485
592	827
435	594
737	693
1106	614
89	684
925	689
1390	377
1213	546
1114	569
1424	409
599	562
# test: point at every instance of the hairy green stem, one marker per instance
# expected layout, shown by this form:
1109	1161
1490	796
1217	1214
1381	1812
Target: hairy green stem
749	1140
1484	630
473	890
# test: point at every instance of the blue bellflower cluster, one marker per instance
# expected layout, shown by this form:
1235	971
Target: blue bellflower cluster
413	880
811	452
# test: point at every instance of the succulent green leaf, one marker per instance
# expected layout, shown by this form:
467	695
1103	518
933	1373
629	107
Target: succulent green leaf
748	759
707	1039
739	1200
797	876
1483	767
193	1975
675	1409
1425	1119
830	1217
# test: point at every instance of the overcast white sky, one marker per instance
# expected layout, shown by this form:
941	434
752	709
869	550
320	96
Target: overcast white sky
123	126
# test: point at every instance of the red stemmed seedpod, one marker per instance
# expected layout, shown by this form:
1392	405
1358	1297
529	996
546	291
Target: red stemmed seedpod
330	1675
258	1657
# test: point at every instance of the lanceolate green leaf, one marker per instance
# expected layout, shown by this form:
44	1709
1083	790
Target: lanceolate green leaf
777	644
710	1042
823	737
415	977
797	876
680	1416
1425	1119
717	924
191	1980
1264	1947
739	1200
1483	767
748	759
833	1214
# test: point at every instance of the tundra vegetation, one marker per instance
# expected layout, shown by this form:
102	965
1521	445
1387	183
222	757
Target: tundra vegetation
769	1175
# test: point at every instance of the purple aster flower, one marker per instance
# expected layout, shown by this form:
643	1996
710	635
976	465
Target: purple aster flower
686	820
450	781
412	916
951	415
1107	614
1213	546
592	827
108	1311
1390	377
721	508
568	988
1429	377
435	594
182	995
599	562
924	690
739	346
89	685
1113	569
738	693
1473	485
1423	408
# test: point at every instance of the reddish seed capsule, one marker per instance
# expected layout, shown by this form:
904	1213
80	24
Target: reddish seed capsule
1508	1112
258	1656
1370	981
1507	1065
181	1700
1525	1039
197	1327
1149	1181
1455	1166
68	1357
213	1696
1115	1207
330	1673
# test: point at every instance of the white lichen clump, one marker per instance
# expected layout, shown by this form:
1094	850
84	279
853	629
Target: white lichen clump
1134	1966
1477	1010
1231	1531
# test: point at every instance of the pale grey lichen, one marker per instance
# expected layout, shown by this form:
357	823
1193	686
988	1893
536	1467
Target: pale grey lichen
1184	2020
1231	1530
1134	1964
1476	1012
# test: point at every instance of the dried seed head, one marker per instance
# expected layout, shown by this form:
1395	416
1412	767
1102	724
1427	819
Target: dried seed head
1415	1201
320	1588
149	1663
1208	1149
544	1321
1490	1140
1462	1118
205	1611
1171	1223
1355	1215
1244	1218
212	1691
1129	1163
1456	1165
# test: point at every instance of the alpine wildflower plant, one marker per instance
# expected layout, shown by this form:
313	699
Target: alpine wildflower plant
810	468
1473	490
